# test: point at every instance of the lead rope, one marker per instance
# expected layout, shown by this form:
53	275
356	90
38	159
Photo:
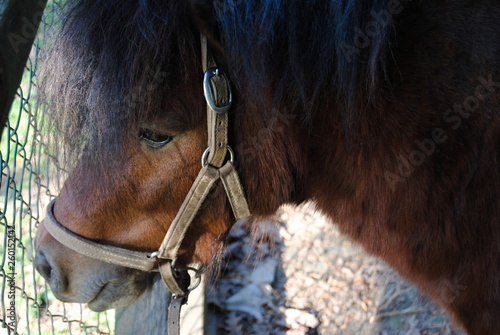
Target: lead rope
218	96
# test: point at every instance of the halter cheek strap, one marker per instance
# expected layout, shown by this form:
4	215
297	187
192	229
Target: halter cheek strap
215	166
218	96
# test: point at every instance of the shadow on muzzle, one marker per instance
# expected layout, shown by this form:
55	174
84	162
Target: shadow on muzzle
77	278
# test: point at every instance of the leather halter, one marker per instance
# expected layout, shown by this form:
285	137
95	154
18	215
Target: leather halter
214	167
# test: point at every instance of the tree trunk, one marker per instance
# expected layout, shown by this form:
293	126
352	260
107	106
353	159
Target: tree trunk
19	21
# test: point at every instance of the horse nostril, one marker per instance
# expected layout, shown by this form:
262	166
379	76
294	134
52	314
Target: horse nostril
42	266
53	275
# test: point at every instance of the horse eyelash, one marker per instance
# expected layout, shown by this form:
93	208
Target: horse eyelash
154	138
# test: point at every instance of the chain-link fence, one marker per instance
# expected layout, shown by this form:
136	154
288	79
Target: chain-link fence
29	178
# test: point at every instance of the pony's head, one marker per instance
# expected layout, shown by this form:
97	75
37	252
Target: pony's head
123	87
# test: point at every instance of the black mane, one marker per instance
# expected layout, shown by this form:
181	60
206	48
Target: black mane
311	47
107	69
112	59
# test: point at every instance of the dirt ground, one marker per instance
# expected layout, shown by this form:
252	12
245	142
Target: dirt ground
312	280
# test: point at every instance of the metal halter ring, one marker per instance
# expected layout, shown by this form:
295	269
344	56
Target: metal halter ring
197	276
154	255
204	157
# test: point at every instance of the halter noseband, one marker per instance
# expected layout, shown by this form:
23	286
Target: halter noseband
214	167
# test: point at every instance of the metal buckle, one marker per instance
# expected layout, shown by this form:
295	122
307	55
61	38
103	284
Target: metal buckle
207	90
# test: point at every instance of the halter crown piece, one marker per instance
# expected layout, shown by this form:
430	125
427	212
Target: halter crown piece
214	166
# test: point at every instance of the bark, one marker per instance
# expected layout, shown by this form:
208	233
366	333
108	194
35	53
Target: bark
19	21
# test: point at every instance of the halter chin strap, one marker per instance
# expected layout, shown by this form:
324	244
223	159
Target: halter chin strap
215	166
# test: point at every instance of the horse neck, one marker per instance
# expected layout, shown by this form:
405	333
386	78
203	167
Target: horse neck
267	141
285	151
291	154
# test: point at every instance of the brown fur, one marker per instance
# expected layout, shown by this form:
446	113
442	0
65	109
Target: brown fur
401	166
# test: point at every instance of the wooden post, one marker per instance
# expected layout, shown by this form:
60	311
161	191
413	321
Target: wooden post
19	21
148	315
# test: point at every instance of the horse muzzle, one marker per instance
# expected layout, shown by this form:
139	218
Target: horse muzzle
76	278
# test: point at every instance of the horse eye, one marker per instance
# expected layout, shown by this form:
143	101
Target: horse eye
154	138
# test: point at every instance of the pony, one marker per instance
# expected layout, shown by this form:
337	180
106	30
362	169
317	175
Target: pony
385	113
